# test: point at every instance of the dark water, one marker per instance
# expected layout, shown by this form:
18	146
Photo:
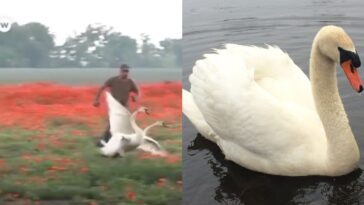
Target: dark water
84	76
208	177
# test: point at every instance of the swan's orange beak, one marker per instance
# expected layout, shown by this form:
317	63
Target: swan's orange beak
353	76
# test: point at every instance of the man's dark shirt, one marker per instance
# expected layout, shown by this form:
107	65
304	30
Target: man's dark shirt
120	88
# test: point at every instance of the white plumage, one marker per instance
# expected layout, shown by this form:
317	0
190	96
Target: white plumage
119	116
126	134
258	107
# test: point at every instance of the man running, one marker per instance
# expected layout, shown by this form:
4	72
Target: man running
120	87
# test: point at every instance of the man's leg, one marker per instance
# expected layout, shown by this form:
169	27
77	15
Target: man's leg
106	136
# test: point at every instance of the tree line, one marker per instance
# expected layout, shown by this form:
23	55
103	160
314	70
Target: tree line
32	46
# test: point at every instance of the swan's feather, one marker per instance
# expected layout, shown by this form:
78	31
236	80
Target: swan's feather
150	145
103	143
259	103
190	109
275	72
119	143
113	146
118	116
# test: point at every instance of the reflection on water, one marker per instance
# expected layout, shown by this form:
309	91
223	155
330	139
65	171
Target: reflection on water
292	25
238	185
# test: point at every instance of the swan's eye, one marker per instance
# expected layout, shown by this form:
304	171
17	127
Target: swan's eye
346	55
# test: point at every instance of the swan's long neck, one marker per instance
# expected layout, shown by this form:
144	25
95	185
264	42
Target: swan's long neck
134	125
149	127
342	150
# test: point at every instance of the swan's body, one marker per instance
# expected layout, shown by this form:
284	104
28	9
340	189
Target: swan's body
265	114
120	143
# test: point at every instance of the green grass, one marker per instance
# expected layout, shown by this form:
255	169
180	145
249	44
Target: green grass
39	169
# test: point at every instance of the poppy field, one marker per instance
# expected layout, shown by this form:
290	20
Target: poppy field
48	155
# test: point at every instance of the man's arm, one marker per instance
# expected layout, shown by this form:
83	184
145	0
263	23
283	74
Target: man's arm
135	90
102	88
96	101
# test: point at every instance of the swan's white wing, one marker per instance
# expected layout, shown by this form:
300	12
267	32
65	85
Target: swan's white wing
103	143
112	146
275	72
258	127
150	145
190	109
119	116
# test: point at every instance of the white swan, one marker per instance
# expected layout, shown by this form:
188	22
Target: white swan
121	143
119	116
265	114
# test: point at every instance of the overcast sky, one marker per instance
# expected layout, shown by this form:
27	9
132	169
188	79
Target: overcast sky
159	19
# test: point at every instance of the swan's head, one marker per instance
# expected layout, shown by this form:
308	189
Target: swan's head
334	43
144	109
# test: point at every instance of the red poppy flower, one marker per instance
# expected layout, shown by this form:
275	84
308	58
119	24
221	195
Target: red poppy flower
130	195
38	105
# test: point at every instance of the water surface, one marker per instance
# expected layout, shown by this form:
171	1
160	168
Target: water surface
210	179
